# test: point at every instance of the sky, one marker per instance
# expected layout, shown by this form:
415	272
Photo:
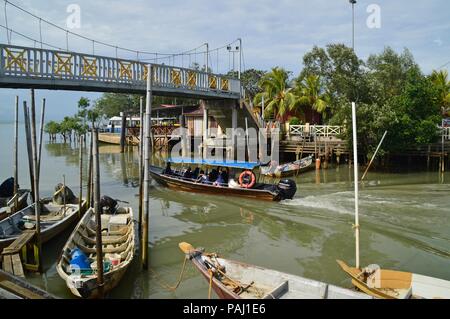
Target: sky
274	33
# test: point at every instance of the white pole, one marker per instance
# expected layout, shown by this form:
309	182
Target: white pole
207	57
240	58
355	169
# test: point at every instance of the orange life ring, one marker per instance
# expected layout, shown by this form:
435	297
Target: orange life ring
248	184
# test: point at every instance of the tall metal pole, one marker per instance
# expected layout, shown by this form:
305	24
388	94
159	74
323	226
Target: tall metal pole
207	57
41	133
98	219
353	2
16	141
240	58
141	169
37	207
89	194
145	223
442	147
355	170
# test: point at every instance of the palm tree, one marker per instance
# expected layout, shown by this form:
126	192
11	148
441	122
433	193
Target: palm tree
310	92
441	82
280	100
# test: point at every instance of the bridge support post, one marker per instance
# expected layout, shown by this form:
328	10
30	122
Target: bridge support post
234	119
205	129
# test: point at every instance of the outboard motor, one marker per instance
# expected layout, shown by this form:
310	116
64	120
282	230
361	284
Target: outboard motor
7	188
287	188
62	192
108	205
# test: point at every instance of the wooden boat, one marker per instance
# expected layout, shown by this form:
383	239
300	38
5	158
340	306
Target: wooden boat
391	284
285	189
7	203
385	283
117	238
288	169
54	219
13	287
114	138
235	280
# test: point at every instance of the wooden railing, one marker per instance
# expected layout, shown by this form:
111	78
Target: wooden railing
315	130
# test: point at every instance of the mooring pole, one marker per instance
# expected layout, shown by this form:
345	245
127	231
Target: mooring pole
29	149
89	195
41	133
98	222
141	170
355	170
80	197
37	204
146	213
123	132
16	165
374	154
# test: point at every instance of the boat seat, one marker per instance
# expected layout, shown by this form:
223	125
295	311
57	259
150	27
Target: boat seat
278	291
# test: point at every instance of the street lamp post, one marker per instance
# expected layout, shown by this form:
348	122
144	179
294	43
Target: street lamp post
353	2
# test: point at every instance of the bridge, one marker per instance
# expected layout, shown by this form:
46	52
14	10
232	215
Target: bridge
30	67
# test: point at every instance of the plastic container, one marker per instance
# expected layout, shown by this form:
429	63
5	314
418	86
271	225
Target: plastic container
115	259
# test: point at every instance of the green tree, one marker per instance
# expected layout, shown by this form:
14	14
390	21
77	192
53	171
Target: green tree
312	94
52	128
279	99
250	81
111	104
442	85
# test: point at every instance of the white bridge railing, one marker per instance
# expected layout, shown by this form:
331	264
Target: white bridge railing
315	130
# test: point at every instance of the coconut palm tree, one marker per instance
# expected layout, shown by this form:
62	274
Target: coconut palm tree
279	99
311	94
442	83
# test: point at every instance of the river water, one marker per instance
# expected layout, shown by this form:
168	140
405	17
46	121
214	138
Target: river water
404	217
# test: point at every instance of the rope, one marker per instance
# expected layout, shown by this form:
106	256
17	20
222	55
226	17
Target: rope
164	284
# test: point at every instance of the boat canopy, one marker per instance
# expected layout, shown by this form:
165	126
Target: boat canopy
213	162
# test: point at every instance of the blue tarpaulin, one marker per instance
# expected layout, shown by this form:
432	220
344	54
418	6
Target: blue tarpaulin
213	162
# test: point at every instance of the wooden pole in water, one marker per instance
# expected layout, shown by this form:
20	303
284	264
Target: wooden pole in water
37	204
41	133
89	195
98	230
16	165
29	149
141	170
246	139
123	132
355	171
374	154
80	197
146	213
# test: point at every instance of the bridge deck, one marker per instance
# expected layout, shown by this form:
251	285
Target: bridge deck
27	67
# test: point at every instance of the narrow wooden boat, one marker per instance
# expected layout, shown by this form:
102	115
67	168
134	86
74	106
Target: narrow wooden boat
288	169
235	280
13	287
7	203
391	284
118	241
54	219
114	138
285	189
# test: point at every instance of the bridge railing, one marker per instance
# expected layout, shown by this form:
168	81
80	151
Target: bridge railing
315	130
35	63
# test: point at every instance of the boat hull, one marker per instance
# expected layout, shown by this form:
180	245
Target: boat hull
114	138
183	185
22	203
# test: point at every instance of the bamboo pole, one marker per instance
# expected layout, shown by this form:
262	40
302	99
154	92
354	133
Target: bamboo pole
80	197
355	170
41	133
123	132
16	166
141	170
89	194
374	154
37	207
148	111
98	232
29	149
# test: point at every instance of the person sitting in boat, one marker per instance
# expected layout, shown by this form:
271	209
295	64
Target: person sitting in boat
168	169
188	173
226	174
202	178
220	181
195	173
212	176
